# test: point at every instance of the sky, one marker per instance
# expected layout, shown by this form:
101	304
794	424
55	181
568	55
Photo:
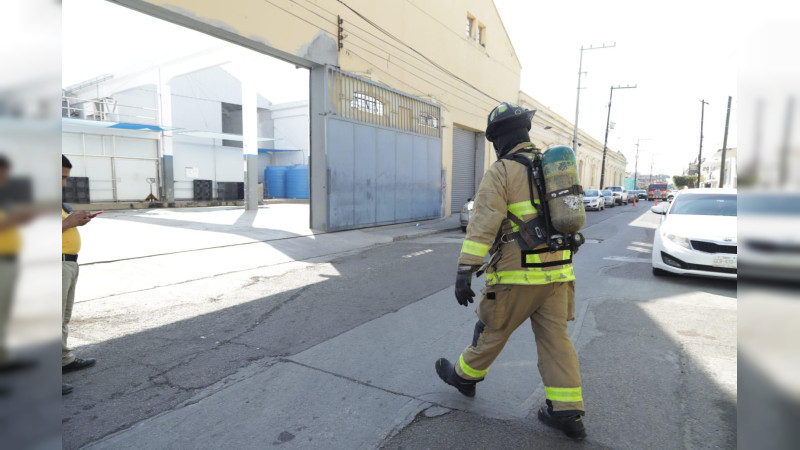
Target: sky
138	41
677	53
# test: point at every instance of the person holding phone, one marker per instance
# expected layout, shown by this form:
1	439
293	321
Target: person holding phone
70	246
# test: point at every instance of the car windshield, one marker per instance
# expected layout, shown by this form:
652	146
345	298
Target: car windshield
705	205
614	188
770	204
590	193
658	186
607	192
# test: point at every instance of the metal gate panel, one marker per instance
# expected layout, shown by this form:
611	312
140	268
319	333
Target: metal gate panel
434	203
463	184
365	164
383	154
385	182
341	188
403	175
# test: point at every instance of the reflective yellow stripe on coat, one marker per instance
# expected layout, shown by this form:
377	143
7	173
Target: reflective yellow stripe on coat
475	248
530	276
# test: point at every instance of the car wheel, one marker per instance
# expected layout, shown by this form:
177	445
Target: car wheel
660	272
464	229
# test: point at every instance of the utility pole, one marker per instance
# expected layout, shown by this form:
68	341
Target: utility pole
578	100
608	120
786	141
700	155
651	168
724	145
636	168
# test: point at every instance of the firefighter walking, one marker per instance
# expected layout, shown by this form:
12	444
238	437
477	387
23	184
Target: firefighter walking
529	275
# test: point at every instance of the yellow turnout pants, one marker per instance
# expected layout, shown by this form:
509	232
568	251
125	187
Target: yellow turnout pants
502	309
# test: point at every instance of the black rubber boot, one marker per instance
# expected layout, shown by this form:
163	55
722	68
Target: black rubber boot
570	424
448	374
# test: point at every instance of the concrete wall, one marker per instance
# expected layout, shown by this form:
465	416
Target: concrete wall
197	100
291	122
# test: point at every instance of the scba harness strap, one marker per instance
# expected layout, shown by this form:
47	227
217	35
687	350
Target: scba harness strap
539	230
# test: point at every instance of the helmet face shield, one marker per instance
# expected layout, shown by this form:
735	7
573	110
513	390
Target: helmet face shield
507	116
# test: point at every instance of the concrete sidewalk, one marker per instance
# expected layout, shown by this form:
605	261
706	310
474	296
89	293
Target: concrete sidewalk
171	246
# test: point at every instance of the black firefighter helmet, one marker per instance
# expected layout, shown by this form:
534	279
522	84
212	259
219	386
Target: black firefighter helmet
507	116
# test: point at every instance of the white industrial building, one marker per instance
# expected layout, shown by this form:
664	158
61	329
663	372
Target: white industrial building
175	123
711	169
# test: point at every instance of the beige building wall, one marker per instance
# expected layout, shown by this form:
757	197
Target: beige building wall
484	63
549	129
467	74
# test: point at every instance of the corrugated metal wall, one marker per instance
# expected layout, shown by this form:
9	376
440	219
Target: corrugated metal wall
384	154
463	184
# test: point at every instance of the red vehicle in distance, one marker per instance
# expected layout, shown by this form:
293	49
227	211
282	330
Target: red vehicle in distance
657	191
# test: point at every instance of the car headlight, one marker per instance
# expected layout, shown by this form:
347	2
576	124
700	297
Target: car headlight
680	240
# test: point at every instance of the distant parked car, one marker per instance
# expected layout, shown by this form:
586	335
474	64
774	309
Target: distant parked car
641	194
631	196
608	198
466	214
620	194
593	199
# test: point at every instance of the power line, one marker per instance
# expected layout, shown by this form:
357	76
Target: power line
457	34
393	57
370	42
467	100
396	39
432	62
419	92
304	20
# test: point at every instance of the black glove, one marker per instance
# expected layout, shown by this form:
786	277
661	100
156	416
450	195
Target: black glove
464	293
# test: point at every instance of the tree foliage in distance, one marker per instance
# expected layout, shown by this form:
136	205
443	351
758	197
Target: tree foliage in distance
684	180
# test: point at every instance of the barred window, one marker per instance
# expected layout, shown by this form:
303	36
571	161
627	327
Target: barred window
428	120
367	103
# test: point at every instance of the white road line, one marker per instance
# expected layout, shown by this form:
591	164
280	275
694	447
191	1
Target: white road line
628	259
420	253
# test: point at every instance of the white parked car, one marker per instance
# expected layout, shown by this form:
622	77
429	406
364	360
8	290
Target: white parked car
768	224
466	214
620	194
593	199
697	235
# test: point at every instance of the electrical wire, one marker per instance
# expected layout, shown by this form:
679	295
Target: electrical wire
471	100
432	62
390	61
447	105
457	34
370	42
304	20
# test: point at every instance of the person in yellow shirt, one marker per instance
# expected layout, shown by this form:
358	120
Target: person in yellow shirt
70	246
10	245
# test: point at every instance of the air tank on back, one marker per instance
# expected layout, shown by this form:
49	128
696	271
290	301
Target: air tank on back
564	195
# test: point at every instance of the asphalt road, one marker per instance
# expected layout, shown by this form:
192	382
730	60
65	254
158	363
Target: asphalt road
338	352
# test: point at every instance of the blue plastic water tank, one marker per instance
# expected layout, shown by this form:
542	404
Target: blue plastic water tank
297	182
275	181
